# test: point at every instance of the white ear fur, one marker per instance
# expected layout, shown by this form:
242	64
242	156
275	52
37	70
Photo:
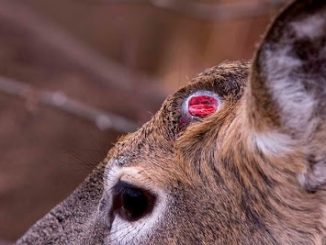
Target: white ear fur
294	102
310	27
311	179
273	143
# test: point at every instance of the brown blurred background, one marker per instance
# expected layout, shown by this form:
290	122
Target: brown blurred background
76	74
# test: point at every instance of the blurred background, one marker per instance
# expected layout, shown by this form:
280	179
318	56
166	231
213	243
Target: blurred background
76	74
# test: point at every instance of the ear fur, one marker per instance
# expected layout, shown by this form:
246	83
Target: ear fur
287	89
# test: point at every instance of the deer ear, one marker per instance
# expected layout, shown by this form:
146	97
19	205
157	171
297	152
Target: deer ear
287	89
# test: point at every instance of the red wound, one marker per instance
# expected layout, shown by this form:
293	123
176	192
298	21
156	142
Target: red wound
202	106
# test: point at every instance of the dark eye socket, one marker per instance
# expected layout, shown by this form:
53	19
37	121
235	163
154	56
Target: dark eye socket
130	202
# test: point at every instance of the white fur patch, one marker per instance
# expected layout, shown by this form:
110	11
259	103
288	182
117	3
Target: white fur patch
312	27
273	143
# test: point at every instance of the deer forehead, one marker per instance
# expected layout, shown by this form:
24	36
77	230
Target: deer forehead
152	151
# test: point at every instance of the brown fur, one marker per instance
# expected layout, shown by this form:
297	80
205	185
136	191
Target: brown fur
223	181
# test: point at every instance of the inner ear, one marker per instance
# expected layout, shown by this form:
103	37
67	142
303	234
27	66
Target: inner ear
287	88
199	105
288	74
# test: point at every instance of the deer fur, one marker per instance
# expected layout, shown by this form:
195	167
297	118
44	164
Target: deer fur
253	172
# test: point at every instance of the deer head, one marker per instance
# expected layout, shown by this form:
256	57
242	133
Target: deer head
238	156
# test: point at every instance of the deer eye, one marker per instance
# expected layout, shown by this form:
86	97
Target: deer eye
132	203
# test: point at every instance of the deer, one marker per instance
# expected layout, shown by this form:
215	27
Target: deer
237	156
